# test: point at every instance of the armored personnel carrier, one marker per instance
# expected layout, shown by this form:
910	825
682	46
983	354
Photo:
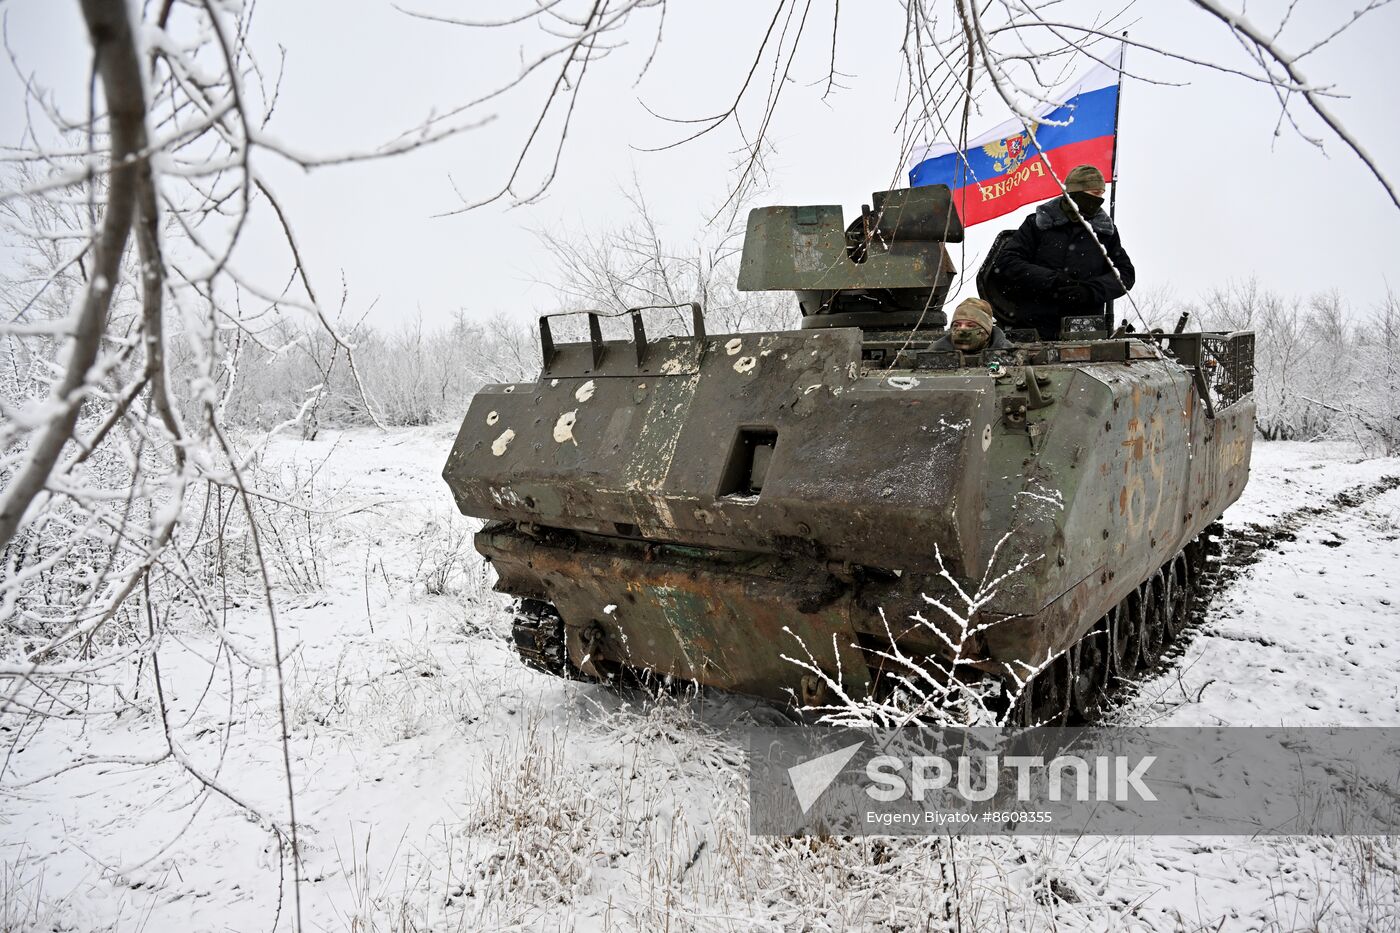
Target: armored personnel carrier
715	508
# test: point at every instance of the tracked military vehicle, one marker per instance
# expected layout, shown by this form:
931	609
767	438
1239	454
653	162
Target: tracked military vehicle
708	506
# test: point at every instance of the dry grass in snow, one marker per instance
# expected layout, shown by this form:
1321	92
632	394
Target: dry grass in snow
442	786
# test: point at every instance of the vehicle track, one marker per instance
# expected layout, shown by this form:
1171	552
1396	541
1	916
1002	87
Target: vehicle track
1242	547
539	633
1228	554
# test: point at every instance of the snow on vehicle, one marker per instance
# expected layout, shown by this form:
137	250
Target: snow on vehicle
701	506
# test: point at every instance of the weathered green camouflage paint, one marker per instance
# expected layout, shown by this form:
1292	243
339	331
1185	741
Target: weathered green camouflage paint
889	470
797	248
602	483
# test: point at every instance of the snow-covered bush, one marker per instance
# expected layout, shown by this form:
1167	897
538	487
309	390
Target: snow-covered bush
1302	353
1323	370
949	691
1374	403
417	375
412	376
55	567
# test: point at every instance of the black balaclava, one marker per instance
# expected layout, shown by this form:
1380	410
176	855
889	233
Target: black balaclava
1085	203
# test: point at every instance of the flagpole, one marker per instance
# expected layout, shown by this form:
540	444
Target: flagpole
1117	108
1113	166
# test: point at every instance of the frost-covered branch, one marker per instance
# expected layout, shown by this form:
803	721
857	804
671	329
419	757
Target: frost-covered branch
1268	47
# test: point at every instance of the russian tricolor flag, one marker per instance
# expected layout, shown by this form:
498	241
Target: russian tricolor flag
1007	167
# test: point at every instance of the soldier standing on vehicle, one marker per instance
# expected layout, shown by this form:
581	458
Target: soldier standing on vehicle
972	329
1054	267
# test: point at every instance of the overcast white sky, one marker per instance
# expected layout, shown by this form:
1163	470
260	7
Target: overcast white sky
1208	192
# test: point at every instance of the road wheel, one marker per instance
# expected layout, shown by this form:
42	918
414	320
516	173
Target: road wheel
1089	663
1125	628
1153	596
1179	591
538	634
1046	697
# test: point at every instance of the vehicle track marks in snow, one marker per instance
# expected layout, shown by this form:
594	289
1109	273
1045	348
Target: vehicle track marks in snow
1245	546
1240	549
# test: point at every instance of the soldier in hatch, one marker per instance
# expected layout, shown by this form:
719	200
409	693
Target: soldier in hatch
1054	265
972	329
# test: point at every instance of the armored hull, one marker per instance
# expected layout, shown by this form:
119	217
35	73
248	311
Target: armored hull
711	507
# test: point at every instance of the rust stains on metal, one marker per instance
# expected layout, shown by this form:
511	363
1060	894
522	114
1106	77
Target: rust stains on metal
727	522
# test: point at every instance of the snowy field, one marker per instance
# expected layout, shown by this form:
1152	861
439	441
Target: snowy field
440	785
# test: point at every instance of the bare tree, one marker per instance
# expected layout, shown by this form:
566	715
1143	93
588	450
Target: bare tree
638	265
159	101
1380	364
123	340
1357	389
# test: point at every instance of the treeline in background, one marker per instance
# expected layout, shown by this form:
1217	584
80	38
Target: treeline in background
1324	368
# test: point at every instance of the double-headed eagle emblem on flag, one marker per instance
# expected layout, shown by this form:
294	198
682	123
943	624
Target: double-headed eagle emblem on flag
1008	154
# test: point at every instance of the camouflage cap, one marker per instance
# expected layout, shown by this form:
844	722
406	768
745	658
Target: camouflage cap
1084	178
977	311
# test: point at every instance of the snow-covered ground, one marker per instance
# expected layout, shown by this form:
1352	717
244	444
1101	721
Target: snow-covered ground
1311	635
441	785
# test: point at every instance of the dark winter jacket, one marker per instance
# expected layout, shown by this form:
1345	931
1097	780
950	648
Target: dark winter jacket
997	342
1049	250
